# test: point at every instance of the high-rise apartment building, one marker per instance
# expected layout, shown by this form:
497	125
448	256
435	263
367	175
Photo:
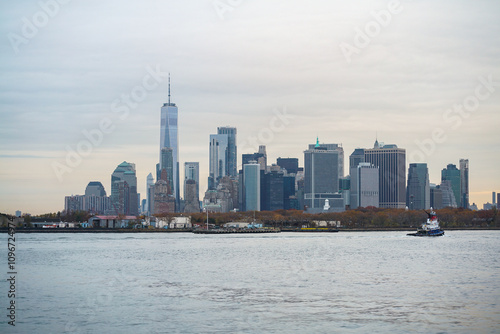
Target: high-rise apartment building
464	183
391	162
418	190
124	198
169	137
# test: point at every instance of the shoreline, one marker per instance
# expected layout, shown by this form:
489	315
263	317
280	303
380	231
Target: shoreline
117	230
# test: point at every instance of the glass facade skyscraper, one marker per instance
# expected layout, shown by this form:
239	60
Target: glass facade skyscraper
232	151
169	137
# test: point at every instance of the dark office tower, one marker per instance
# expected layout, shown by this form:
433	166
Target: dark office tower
273	191
321	175
169	137
124	189
391	162
452	174
289	199
260	157
418	189
357	157
464	183
232	150
290	164
333	147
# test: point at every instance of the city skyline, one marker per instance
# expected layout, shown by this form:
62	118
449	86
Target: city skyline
279	73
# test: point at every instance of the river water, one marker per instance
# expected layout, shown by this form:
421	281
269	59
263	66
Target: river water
346	282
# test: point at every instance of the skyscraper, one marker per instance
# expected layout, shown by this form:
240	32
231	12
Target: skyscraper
321	177
232	150
251	180
334	147
418	189
452	174
169	137
357	157
391	162
464	183
124	190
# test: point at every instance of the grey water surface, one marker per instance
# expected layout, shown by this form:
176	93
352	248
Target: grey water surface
346	282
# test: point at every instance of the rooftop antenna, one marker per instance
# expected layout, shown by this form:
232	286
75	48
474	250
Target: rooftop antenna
169	88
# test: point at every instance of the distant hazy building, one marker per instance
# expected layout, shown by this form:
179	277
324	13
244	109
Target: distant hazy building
149	193
391	162
169	137
452	174
224	198
96	201
95	188
192	189
436	197
290	164
448	194
191	199
124	198
321	175
418	191
251	181
260	157
18	213
365	185
464	183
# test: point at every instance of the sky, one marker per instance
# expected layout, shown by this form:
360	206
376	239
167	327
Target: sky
83	82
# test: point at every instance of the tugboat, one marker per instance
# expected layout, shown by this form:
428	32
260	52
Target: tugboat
430	228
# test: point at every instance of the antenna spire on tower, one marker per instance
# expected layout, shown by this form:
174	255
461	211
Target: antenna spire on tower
169	88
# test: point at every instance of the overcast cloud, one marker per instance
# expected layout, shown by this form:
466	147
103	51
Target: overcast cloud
236	63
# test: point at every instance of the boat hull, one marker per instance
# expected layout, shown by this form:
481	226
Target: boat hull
435	233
